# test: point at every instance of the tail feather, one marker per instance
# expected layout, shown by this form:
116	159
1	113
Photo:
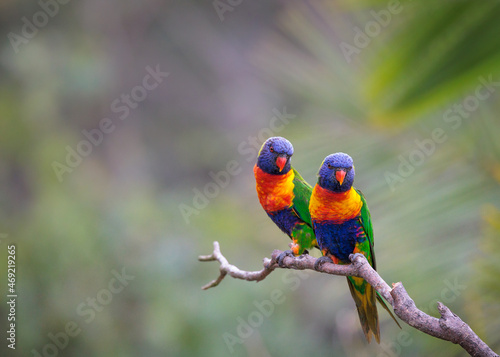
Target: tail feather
364	297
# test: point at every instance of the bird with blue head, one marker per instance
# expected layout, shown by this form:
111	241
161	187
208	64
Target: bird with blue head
284	194
342	226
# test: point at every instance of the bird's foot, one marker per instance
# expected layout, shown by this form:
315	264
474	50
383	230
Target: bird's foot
282	256
320	261
352	257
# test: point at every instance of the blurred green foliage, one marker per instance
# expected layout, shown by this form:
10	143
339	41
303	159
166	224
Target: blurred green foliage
436	226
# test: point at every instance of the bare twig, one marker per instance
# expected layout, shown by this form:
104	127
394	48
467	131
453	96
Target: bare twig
235	272
448	327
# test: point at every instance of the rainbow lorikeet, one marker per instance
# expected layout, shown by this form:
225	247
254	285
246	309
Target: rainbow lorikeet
284	194
342	225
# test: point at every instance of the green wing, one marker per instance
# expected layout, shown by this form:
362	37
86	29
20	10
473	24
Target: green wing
302	192
366	222
302	234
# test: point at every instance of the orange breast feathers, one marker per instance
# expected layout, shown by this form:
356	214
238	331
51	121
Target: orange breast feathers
275	191
334	207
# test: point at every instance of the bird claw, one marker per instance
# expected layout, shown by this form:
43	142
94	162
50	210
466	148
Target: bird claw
282	256
353	257
320	261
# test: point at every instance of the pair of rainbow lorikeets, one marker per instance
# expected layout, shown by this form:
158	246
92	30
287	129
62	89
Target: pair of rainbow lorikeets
332	216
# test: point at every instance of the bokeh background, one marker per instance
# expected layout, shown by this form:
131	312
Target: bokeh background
379	80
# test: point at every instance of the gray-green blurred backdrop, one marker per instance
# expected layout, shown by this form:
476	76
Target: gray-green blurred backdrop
128	134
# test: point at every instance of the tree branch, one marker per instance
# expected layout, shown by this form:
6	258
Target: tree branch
448	327
235	272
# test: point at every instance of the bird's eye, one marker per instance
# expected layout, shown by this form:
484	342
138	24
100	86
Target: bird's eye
330	166
271	149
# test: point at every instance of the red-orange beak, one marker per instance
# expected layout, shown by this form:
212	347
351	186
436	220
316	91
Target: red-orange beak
340	176
281	162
